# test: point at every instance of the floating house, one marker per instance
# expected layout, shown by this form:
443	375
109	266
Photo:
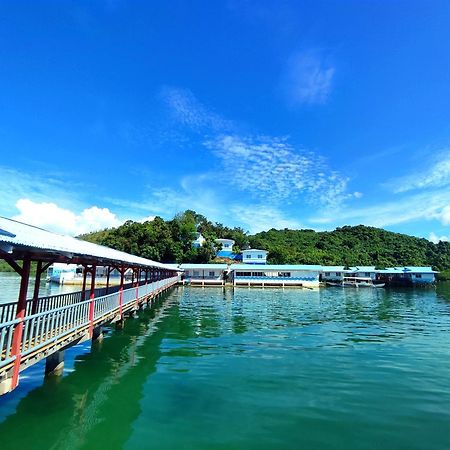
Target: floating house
254	256
204	274
73	274
198	241
227	248
275	275
409	275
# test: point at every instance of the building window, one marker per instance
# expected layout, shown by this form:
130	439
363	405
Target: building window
338	274
248	256
367	274
284	274
226	245
196	273
243	274
327	274
260	256
212	274
257	274
418	275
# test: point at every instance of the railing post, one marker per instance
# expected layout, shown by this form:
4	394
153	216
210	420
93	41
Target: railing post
20	314
138	273
108	273
91	303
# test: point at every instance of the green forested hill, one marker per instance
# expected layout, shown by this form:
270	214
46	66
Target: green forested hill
170	241
359	245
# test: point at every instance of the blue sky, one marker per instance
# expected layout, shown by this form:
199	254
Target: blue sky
302	114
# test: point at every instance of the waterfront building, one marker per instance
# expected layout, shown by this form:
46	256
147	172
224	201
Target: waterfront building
254	256
408	275
275	275
227	248
204	274
391	275
198	241
72	274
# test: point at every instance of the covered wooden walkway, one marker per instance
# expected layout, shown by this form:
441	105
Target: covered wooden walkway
43	327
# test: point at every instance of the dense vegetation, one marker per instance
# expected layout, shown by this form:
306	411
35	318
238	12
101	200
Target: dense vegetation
170	241
353	246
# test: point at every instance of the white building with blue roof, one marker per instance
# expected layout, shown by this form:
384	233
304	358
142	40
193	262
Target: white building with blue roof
283	275
391	275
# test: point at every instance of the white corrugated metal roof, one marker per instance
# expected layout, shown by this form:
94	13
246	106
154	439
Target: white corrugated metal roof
22	236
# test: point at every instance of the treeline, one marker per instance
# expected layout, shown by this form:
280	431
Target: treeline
170	241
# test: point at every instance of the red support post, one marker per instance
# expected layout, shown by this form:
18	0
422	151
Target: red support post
83	289
37	284
20	314
91	304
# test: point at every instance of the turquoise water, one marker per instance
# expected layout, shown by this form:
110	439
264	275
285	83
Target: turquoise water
251	369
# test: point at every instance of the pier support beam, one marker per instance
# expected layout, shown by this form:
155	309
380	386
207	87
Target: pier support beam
97	334
54	363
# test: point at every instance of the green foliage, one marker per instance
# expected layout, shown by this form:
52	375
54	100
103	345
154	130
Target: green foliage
351	246
168	241
171	241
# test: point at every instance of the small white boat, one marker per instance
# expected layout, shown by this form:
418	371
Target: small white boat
356	282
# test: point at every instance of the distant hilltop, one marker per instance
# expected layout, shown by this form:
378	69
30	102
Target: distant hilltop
171	241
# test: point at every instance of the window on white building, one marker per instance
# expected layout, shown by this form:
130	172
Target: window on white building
248	256
260	256
196	273
212	274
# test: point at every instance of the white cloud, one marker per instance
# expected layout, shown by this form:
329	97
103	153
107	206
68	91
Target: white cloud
59	220
433	237
423	206
436	174
256	218
272	169
188	110
443	215
307	78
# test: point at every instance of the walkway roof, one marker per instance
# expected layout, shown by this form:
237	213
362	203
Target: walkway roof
18	240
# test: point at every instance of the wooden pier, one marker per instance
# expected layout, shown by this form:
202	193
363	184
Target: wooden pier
32	329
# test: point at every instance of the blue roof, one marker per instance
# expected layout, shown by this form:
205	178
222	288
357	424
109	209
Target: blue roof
225	254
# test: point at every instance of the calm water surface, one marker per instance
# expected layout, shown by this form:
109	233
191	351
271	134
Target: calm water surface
9	287
251	369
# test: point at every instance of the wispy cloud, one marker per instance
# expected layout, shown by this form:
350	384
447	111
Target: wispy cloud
256	218
422	206
433	237
431	175
265	167
273	169
188	110
307	78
